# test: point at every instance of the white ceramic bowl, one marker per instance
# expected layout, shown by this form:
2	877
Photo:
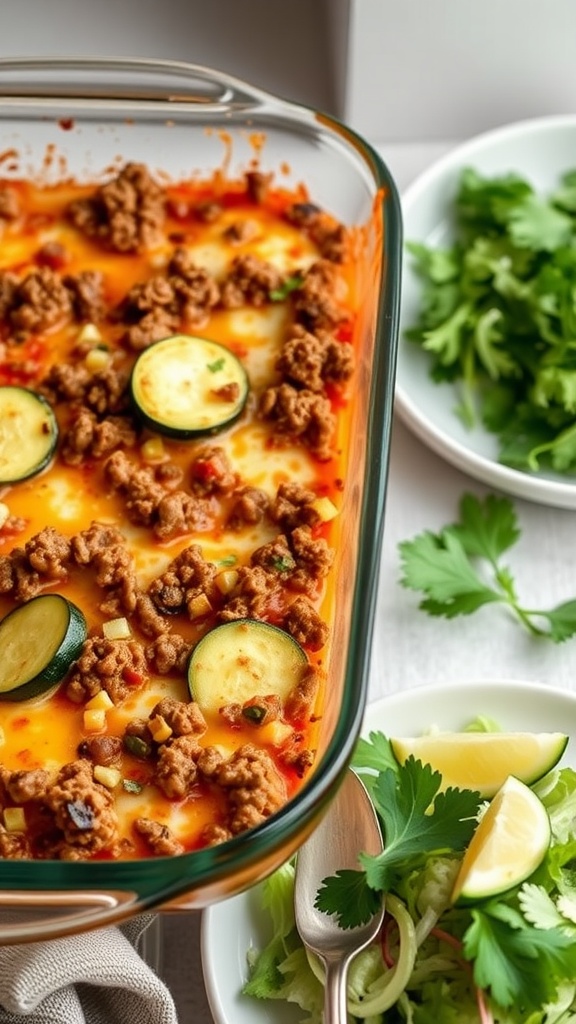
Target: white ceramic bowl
541	150
231	927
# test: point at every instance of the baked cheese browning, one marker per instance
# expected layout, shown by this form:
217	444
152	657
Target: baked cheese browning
158	539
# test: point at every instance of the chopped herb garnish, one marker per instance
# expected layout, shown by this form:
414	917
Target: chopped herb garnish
229	560
285	564
131	786
289	285
137	746
218	364
254	713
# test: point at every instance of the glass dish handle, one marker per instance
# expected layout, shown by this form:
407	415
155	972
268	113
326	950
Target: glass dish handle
120	79
25	915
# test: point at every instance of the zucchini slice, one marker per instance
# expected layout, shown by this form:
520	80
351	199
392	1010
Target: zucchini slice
185	386
242	659
28	433
39	641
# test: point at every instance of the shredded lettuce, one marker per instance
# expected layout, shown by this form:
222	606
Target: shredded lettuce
441	964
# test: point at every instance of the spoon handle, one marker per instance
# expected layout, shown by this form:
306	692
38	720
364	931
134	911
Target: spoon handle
335	1011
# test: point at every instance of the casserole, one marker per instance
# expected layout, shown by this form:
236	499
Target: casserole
77	118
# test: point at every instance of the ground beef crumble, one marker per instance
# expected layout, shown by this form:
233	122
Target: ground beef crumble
331	237
316	303
302	415
179	297
250	506
126	214
300	560
159	837
103	548
313	360
249	280
167	653
37	302
211	471
104	392
83	812
148	503
187	577
254	787
294	506
116	666
80	819
256	594
86	437
304	623
44	559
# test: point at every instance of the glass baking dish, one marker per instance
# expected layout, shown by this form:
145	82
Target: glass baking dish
79	117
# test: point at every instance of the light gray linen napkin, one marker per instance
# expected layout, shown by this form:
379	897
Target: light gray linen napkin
97	977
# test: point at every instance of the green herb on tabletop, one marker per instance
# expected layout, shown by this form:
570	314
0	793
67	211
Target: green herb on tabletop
460	569
497	315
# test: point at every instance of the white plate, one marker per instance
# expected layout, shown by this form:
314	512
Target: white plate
230	928
541	150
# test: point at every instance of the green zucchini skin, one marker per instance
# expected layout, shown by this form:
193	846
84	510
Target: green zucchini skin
179	387
241	659
28	433
39	641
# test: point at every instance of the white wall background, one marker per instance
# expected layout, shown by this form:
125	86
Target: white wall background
447	69
281	45
396	70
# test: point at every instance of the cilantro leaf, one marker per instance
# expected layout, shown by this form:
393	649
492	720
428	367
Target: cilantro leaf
562	621
446	339
535	224
348	895
516	962
374	752
538	906
416	819
459	569
486	529
565	195
438	565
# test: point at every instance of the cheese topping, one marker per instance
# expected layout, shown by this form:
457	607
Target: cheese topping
170	532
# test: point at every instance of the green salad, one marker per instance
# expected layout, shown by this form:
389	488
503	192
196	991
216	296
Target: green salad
498	315
508	958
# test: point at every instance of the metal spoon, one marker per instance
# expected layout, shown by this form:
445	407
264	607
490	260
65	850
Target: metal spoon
350	827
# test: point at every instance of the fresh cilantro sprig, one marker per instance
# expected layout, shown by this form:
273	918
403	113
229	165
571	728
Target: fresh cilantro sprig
417	820
497	315
460	568
518	963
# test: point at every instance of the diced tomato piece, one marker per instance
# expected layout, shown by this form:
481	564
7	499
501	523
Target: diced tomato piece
131	677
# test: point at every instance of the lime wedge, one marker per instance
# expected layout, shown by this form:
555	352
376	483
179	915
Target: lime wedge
483	760
510	842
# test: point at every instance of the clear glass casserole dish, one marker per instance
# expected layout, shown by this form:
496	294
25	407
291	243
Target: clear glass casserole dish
80	117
